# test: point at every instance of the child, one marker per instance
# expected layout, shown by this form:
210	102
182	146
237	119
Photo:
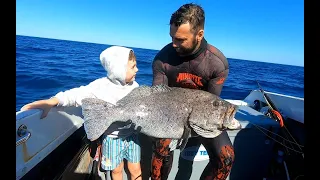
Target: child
120	64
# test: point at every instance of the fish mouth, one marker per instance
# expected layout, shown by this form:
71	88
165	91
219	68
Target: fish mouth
208	133
229	121
233	112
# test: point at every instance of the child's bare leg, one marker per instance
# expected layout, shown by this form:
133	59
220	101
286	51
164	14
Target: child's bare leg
116	174
135	171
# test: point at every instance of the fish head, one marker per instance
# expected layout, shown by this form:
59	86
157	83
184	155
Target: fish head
211	117
222	114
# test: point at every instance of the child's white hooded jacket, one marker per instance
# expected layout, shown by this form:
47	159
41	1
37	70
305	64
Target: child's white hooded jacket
111	88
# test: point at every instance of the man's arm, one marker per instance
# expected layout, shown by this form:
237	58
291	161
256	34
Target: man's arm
215	85
159	76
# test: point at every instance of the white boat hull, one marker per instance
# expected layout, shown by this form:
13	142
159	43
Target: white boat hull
290	106
46	135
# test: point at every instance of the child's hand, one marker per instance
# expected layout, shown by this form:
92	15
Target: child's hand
44	105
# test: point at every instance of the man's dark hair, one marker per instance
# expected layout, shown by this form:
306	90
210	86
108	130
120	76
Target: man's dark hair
189	13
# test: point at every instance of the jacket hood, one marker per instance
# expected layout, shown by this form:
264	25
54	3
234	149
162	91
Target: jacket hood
114	60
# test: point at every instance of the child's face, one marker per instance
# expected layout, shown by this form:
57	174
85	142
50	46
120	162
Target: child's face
132	69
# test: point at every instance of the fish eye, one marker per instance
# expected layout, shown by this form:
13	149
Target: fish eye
216	103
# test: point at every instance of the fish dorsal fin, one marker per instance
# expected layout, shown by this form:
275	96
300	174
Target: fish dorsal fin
142	92
160	88
94	103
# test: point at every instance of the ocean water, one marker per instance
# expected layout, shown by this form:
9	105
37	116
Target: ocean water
46	66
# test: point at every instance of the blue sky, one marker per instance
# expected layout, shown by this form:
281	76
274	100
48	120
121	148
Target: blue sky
258	30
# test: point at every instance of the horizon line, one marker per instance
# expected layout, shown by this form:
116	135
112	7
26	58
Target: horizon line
149	49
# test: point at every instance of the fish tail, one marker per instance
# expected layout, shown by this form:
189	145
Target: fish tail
95	119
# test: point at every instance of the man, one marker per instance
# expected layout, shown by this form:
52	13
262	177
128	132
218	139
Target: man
190	62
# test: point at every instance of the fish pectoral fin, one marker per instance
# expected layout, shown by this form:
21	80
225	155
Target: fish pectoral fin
185	136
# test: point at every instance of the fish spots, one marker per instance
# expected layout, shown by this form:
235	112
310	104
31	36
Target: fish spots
141	114
142	106
158	112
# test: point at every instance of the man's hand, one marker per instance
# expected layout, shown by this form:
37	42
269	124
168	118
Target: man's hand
122	129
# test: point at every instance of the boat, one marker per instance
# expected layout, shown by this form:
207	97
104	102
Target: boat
268	146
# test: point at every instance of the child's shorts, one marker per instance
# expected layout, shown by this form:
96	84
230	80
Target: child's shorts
114	150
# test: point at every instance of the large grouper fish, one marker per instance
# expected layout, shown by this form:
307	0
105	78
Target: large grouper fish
162	112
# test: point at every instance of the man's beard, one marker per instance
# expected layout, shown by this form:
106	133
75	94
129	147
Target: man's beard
183	51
